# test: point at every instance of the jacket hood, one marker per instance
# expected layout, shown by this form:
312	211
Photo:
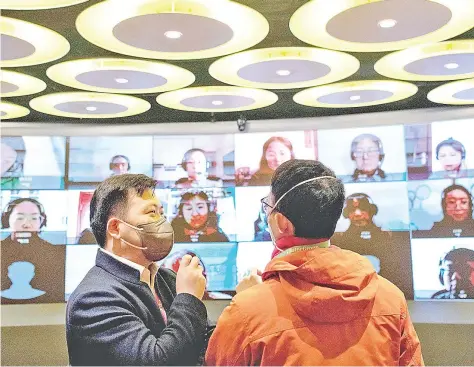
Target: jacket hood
326	284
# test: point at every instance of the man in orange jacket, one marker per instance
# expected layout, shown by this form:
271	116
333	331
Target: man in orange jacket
317	304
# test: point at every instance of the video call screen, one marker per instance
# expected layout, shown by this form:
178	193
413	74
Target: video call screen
93	159
32	163
188	162
408	208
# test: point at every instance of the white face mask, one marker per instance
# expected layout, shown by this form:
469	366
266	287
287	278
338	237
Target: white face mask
281	197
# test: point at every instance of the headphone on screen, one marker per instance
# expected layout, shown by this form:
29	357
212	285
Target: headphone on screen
372	208
455	144
187	157
373	138
9	209
457	256
453	187
119	156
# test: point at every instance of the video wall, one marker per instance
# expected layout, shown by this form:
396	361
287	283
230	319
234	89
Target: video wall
408	208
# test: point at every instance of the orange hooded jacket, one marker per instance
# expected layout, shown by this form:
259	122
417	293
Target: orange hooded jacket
323	306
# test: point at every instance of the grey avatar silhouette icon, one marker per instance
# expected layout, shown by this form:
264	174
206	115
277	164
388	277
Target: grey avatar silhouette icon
21	273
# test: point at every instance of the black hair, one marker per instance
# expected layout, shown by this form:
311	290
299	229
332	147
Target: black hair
111	198
263	160
14	203
455	144
453	187
314	207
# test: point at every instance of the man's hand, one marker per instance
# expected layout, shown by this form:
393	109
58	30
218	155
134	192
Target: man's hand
190	278
254	278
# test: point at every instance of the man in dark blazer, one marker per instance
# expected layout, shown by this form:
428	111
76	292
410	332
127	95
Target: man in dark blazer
127	310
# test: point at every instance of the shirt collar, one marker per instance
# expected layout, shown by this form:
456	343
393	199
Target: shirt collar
147	275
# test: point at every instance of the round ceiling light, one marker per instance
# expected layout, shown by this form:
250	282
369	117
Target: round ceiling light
448	60
24	44
217	99
355	94
284	67
120	75
13	84
172	30
89	105
37	4
377	25
12	111
460	92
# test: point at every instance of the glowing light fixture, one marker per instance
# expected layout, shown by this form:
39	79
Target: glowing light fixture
37	4
173	34
196	99
124	105
171	77
269	68
217	103
430	62
460	92
12	111
387	23
451	65
391	89
45	45
370	33
18	84
212	28
283	72
354	98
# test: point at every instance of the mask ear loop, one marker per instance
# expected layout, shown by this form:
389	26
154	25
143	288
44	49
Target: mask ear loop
133	227
286	193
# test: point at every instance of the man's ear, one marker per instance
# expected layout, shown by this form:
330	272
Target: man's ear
284	225
113	228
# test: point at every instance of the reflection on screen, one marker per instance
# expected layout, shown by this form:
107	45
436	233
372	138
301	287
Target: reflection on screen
218	261
32	162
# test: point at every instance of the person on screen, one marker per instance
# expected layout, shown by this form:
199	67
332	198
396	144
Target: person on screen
25	217
21	273
368	155
363	235
128	310
196	166
196	222
276	151
261	228
172	262
119	164
456	274
315	304
452	156
456	202
12	159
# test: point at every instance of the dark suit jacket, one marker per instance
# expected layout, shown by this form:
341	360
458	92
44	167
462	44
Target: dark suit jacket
112	319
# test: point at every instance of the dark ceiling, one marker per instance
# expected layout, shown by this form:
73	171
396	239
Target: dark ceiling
277	12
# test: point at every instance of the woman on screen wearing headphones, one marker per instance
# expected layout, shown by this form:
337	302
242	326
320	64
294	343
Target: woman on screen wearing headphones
197	166
452	156
196	222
